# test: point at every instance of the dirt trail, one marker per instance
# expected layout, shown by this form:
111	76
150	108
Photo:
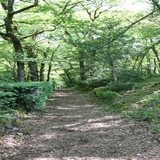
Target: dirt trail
73	127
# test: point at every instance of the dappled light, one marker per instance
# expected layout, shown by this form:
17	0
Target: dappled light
76	129
100	58
76	158
95	126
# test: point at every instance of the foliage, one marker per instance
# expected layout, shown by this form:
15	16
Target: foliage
7	99
139	104
103	40
148	108
105	51
28	96
156	129
29	130
92	83
130	75
5	118
8	116
107	95
120	86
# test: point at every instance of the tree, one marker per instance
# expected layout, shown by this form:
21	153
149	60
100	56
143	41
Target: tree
9	33
98	44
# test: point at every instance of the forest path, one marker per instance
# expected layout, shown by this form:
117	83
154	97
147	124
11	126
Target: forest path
73	127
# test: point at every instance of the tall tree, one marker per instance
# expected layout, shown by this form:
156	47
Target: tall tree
9	34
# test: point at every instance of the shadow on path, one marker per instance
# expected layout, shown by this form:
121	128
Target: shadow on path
73	127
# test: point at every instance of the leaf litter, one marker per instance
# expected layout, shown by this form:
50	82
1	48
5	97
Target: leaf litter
73	127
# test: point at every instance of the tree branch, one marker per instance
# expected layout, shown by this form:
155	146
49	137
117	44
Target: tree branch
37	33
156	4
24	9
96	14
130	26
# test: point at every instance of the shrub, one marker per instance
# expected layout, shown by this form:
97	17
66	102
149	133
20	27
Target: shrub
107	95
27	95
130	75
92	83
150	114
7	100
120	86
5	118
148	109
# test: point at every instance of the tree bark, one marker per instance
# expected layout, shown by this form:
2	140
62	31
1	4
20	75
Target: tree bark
32	64
82	66
82	70
112	67
50	64
42	68
157	57
42	71
16	42
10	36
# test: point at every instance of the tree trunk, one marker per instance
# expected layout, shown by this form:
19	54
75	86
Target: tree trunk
49	71
32	64
157	57
113	72
33	71
8	7
42	71
155	68
16	42
42	68
69	81
82	70
50	64
82	66
19	55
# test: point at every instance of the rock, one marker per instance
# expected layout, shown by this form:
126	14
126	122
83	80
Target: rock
9	126
15	129
2	130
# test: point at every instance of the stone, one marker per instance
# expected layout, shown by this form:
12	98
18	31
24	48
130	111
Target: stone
9	126
2	130
15	129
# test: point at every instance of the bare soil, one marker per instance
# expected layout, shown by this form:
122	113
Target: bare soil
73	127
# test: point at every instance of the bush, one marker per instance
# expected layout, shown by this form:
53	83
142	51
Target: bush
26	95
7	100
130	75
107	95
120	86
92	83
150	114
148	109
5	118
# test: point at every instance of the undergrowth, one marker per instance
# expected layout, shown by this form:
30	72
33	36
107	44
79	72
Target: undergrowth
140	102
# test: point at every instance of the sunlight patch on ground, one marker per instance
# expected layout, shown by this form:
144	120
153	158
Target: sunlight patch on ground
73	124
103	118
72	116
78	158
73	107
11	141
64	108
48	136
94	126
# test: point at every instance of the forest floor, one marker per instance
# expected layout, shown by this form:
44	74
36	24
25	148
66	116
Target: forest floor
73	127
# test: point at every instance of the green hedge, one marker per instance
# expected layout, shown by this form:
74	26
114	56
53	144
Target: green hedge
25	95
7	99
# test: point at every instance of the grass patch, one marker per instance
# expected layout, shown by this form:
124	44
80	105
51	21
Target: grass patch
141	103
